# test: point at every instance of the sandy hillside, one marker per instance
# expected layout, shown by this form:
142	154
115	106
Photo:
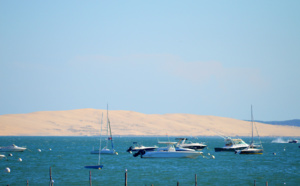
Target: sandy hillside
86	122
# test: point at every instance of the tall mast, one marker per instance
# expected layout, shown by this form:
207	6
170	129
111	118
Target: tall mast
252	124
108	123
100	139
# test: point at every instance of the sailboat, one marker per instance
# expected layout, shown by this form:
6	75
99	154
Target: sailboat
105	150
98	166
252	149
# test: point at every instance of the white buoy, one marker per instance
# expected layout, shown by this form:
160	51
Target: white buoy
50	149
208	154
274	153
213	157
7	169
10	154
39	150
20	159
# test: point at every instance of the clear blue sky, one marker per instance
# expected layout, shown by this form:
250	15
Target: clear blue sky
154	57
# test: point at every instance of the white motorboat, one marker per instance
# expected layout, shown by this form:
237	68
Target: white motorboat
12	148
174	143
168	152
182	143
232	145
136	147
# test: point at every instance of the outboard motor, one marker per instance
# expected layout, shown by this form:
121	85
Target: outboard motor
137	153
129	149
140	152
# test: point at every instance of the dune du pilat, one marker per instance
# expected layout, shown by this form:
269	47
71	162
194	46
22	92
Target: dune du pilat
86	122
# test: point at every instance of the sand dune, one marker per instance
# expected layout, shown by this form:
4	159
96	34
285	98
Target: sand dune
86	122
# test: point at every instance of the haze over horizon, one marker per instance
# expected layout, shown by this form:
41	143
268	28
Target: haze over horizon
198	57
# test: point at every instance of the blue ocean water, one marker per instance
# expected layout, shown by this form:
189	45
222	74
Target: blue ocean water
69	155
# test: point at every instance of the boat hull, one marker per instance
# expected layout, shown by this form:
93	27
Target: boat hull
250	151
94	167
196	147
231	149
107	152
176	154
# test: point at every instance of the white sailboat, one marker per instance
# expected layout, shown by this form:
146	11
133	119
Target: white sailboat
98	166
106	150
252	149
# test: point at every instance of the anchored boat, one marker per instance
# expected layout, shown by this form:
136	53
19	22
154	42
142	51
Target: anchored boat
168	152
106	150
182	143
252	149
136	147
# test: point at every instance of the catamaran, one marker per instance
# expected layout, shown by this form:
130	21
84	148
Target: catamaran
106	150
98	166
252	149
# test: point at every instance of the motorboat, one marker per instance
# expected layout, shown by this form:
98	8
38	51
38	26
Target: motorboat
2	156
190	145
169	152
293	141
176	148
232	145
252	148
136	147
12	148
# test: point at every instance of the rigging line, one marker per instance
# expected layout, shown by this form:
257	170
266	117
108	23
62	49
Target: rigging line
100	139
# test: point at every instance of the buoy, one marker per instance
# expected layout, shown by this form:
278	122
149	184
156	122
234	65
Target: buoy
50	149
39	150
7	169
20	159
274	153
213	157
208	154
10	154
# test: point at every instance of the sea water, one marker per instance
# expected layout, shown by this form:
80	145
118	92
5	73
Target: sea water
67	156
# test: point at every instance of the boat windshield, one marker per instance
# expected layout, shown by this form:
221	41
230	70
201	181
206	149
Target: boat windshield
238	141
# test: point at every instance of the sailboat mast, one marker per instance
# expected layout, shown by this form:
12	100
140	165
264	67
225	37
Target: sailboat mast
252	123
108	122
100	139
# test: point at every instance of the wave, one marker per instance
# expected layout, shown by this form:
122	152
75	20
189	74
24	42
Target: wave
280	140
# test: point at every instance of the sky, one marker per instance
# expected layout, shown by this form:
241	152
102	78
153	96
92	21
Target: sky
155	57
